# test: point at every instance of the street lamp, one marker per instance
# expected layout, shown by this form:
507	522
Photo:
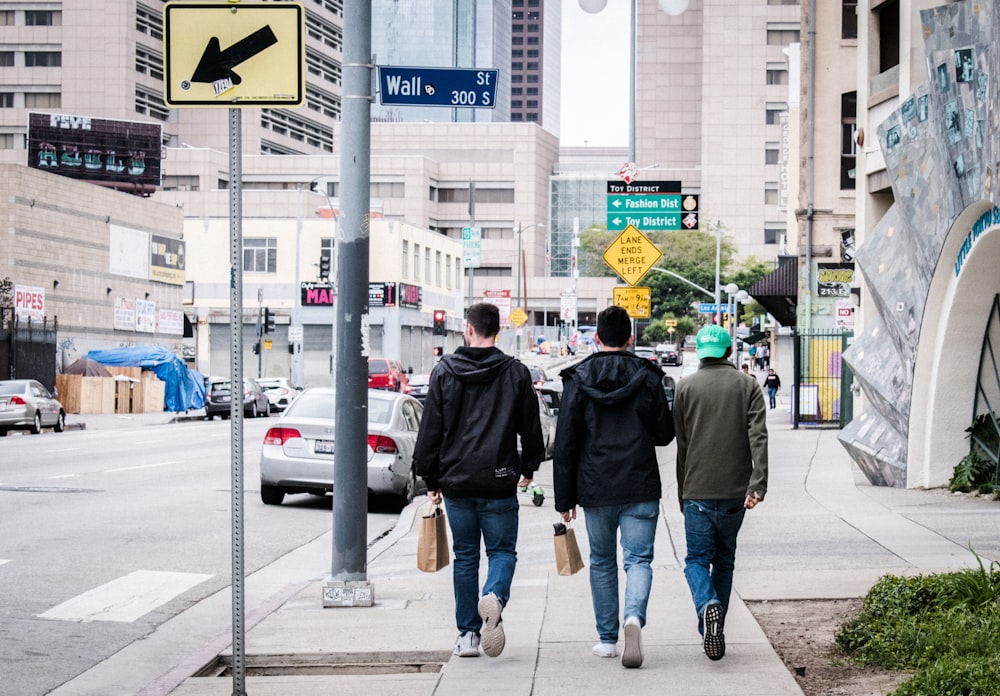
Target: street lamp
520	267
736	296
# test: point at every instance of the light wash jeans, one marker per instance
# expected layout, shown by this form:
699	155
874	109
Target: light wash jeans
710	529
637	522
494	521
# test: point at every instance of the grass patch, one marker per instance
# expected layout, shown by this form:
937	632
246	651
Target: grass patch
944	628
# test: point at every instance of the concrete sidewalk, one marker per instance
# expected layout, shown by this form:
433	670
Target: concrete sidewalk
823	532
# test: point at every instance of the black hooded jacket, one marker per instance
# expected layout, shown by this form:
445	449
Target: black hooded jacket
479	400
612	415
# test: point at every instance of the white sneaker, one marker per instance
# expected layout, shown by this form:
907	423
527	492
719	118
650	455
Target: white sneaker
492	631
606	650
632	653
467	645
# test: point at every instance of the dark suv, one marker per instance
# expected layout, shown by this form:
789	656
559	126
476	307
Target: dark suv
387	374
218	395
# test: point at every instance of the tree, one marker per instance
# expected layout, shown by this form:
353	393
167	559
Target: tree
690	254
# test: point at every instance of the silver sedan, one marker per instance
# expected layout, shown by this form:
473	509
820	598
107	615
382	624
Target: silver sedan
25	404
297	454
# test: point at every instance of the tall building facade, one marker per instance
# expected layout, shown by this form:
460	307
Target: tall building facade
536	41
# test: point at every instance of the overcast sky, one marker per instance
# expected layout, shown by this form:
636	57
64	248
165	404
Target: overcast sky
595	69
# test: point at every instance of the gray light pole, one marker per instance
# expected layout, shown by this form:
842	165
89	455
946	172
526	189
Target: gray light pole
520	271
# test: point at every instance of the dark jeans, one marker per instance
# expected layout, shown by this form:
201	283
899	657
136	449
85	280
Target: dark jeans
494	521
710	528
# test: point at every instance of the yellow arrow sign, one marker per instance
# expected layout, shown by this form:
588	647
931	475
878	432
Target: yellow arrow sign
631	255
636	301
233	55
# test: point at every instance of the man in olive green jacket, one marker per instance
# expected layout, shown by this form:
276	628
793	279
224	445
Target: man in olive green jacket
720	421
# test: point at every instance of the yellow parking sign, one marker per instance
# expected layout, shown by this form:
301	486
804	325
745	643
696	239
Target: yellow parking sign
636	301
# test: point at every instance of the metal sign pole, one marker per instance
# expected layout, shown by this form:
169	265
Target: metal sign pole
236	393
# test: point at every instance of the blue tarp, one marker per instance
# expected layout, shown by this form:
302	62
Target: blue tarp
185	388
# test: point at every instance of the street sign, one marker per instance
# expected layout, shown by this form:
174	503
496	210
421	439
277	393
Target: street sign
518	317
650	205
631	255
636	301
645	221
648	187
670	323
471	246
712	308
228	55
457	87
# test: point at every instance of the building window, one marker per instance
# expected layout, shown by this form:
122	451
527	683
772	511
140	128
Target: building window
777	75
771	153
532	53
6	18
781	35
42	100
437	268
406	259
150	103
516	91
516	103
260	255
149	22
771	193
42	18
532	103
427	265
773	113
886	29
416	262
516	117
6	141
149	62
6	100
773	235
42	59
516	79
6	59
849	19
848	132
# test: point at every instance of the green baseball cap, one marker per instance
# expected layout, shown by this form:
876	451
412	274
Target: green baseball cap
712	342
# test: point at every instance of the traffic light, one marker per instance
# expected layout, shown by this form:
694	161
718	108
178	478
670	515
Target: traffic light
324	265
439	317
268	320
256	348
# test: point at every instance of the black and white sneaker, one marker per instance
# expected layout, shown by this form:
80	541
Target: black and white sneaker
714	640
491	634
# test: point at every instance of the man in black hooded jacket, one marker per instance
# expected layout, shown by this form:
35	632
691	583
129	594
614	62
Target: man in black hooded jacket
479	401
612	416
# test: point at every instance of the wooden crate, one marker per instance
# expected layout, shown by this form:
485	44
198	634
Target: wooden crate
123	395
79	394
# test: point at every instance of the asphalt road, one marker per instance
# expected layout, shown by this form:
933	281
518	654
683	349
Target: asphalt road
105	535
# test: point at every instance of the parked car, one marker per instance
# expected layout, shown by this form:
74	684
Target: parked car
538	375
218	395
670	354
419	384
280	393
387	374
25	404
297	454
647	353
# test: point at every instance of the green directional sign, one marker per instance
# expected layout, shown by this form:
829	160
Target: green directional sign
655	203
645	221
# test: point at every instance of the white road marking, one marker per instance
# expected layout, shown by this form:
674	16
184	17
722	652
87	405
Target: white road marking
127	598
64	449
139	466
62	476
4	560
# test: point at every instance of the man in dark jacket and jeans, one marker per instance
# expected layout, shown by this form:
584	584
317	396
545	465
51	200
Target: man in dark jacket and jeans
612	416
478	402
721	427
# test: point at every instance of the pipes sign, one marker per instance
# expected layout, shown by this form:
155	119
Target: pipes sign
29	303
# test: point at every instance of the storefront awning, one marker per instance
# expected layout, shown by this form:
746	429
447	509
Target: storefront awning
778	291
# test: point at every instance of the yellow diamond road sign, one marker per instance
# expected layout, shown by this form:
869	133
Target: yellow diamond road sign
636	301
233	55
631	255
518	317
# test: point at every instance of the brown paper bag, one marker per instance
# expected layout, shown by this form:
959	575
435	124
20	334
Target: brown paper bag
568	560
432	546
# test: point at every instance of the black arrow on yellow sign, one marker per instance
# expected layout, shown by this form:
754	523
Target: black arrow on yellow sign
216	64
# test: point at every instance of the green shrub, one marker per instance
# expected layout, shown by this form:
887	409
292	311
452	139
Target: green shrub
944	627
977	470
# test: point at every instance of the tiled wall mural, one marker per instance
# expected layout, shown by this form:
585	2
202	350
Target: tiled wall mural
942	153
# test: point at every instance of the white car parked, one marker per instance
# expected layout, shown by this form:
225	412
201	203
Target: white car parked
279	392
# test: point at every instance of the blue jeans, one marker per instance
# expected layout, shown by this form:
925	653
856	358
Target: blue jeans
710	528
494	520
772	392
637	522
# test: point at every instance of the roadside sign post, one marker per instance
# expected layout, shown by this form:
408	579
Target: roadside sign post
631	255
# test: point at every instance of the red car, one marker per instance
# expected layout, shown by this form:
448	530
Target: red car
387	374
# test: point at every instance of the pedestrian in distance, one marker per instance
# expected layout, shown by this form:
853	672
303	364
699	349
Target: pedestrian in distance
612	416
772	383
479	401
721	428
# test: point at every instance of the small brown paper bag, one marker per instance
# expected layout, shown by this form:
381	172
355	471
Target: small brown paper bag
432	545
568	560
